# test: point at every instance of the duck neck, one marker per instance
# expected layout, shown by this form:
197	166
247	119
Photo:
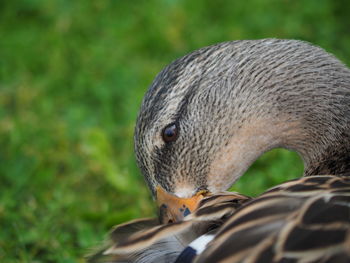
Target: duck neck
331	158
325	150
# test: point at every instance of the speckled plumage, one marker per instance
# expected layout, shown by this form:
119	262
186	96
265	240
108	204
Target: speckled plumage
231	102
235	100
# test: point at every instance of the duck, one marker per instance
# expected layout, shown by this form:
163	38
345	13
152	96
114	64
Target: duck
205	119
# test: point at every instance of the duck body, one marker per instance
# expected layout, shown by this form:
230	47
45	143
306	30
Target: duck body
304	220
147	240
210	114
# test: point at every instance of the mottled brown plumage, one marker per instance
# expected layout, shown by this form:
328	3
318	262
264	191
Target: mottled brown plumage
235	100
304	220
146	240
226	105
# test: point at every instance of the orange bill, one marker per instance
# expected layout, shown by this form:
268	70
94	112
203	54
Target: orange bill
174	209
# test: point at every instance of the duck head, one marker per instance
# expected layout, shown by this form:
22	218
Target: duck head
210	114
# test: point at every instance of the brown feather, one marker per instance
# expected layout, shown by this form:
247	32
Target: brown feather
143	240
303	220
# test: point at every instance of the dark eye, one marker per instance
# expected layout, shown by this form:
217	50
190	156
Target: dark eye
170	133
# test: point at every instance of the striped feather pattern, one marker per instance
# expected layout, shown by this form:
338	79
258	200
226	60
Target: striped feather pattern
144	240
304	220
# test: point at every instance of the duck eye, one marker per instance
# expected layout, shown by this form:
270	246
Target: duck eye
170	133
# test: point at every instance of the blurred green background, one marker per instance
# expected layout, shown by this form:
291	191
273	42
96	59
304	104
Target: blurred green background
72	76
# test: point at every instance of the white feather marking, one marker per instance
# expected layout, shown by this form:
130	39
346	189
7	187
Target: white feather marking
201	242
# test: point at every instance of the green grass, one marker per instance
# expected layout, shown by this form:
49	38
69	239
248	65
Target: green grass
72	76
